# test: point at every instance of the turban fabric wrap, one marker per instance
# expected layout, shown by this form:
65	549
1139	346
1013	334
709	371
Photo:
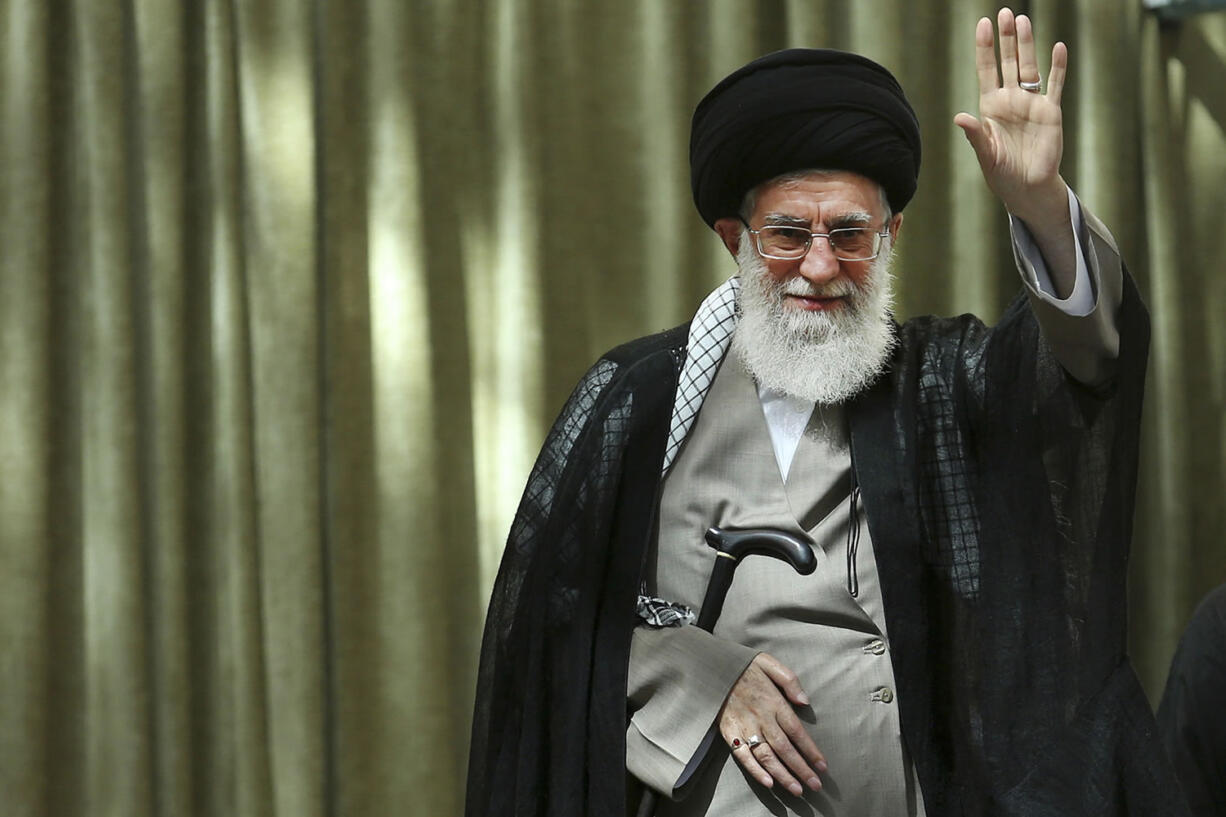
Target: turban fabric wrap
802	109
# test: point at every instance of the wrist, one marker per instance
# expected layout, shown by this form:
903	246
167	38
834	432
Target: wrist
1046	208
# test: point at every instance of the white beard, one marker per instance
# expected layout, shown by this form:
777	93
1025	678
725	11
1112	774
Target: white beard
826	357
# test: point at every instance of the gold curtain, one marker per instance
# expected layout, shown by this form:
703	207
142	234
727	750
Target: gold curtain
290	291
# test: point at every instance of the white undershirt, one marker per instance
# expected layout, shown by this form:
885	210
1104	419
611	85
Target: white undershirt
787	416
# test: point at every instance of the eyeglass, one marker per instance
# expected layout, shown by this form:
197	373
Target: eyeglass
789	243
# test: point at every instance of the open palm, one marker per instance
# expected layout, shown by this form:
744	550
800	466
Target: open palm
1019	135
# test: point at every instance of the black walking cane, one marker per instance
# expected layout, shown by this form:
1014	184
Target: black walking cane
730	547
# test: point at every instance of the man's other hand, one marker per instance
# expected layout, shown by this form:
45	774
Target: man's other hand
761	704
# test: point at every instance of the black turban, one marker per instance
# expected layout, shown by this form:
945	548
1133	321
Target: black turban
802	109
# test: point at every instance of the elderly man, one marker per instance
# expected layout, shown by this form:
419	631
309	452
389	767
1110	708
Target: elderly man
966	491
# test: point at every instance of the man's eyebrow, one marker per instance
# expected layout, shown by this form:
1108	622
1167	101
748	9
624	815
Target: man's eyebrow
785	220
855	218
852	219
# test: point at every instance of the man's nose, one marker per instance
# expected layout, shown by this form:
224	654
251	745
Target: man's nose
819	264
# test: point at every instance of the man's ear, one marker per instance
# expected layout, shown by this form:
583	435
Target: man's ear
895	227
729	230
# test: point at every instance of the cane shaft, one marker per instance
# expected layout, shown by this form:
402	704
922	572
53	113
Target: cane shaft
717	591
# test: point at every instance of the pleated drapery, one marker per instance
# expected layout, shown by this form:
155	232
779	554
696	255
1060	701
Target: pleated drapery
290	292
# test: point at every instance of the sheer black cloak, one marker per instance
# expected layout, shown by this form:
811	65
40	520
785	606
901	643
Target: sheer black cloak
999	495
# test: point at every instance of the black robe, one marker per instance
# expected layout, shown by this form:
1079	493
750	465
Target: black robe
999	496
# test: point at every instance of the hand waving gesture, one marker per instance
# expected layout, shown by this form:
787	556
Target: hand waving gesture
1019	135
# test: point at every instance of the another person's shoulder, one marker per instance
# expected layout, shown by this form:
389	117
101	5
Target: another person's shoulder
1199	665
1189	717
1208	622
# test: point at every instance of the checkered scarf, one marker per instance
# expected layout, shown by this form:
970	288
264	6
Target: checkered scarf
710	336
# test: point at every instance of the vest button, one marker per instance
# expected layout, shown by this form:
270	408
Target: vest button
875	647
885	695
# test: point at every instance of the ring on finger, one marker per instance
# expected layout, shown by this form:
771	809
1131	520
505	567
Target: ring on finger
1033	87
737	743
753	741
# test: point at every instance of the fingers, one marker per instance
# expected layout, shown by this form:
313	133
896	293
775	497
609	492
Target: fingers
1018	60
777	756
783	677
804	756
972	128
968	123
1027	64
985	57
1008	48
743	755
772	760
1059	69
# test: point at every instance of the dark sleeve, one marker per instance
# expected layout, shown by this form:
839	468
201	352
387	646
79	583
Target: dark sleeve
549	720
1021	484
1192	715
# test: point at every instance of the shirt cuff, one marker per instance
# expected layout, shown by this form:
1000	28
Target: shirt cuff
1081	300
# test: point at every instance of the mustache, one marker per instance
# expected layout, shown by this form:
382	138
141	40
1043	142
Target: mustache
807	289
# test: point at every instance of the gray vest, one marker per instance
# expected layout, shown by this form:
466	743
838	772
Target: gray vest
727	475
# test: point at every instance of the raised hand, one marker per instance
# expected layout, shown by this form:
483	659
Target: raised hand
1019	135
758	706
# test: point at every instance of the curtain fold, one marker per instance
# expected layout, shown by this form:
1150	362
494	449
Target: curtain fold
291	291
